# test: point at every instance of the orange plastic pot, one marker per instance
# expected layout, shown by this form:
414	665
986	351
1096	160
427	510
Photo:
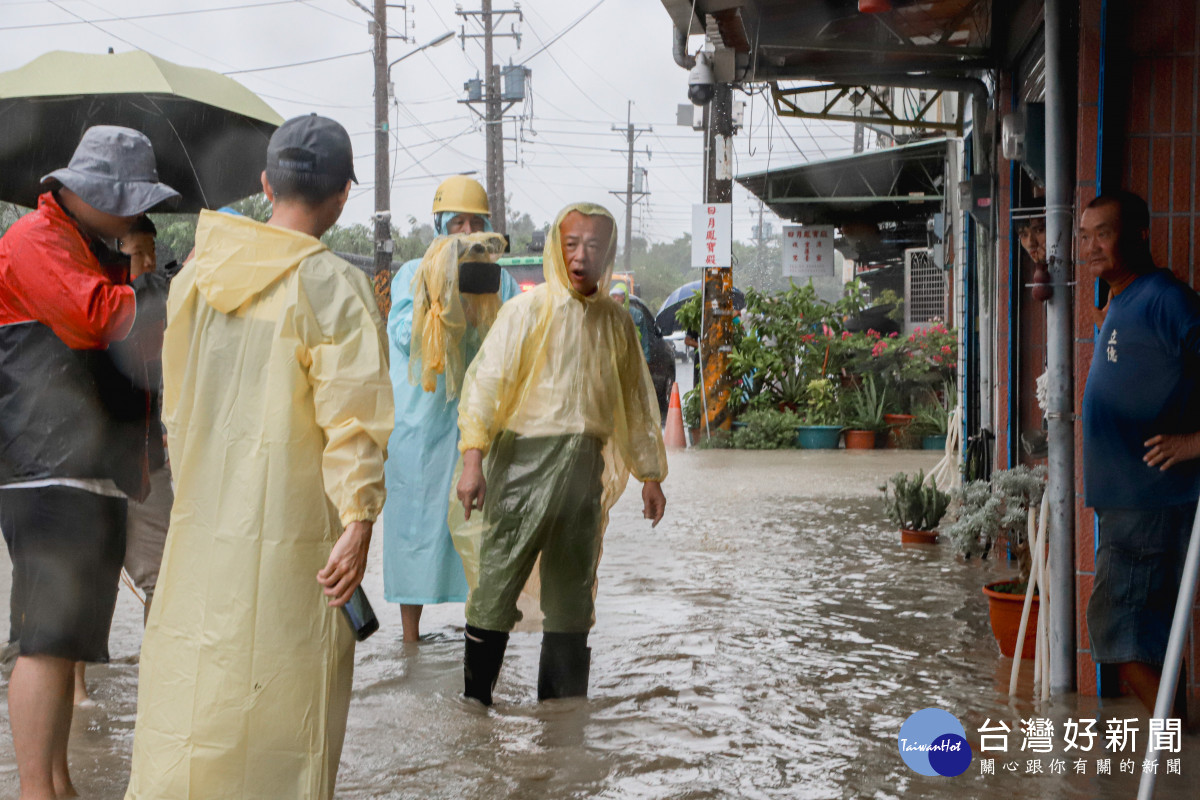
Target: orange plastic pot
860	440
1004	610
908	536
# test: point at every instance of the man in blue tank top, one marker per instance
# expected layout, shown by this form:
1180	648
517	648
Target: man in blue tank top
1140	441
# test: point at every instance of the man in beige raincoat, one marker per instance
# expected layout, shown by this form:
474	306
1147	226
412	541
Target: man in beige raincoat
278	408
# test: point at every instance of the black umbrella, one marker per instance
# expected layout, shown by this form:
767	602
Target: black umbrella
666	315
209	132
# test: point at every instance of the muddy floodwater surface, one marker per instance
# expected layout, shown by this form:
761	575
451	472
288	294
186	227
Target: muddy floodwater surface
767	640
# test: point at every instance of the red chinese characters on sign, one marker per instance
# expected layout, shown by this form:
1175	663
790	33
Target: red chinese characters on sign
807	251
712	235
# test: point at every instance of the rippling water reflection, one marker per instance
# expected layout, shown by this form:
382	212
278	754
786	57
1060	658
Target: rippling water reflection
766	641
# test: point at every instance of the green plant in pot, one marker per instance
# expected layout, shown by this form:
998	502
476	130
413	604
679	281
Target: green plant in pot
915	505
865	407
989	514
930	421
820	426
767	429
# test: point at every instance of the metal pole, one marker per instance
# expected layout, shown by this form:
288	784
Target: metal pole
383	202
629	189
493	123
1060	183
1180	625
717	334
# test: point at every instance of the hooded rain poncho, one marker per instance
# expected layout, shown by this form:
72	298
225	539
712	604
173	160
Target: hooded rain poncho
563	375
431	345
278	408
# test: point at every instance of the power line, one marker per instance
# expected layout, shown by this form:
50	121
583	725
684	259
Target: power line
561	33
82	21
297	63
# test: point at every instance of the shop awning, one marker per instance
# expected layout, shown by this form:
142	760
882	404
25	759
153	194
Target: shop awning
881	200
889	185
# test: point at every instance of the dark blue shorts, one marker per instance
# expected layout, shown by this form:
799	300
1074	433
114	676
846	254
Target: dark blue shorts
1139	567
66	546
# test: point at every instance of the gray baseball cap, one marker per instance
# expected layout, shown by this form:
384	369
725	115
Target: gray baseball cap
113	171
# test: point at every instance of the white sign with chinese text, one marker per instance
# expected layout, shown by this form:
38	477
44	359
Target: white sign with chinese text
807	251
712	235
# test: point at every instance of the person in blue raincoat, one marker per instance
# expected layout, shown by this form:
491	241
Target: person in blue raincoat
434	330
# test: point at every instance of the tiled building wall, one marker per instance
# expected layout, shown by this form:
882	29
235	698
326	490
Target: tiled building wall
1157	45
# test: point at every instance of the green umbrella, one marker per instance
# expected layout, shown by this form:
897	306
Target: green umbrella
209	132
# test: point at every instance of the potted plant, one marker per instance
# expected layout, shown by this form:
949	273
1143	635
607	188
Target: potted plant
864	418
990	513
929	425
692	407
766	429
819	428
916	506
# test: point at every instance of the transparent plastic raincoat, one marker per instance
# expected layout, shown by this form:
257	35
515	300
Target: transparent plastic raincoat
278	408
420	565
561	401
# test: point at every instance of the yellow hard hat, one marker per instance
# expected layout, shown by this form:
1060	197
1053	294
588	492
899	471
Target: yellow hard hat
460	194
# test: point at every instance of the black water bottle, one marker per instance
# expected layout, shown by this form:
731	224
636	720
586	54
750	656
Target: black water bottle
360	615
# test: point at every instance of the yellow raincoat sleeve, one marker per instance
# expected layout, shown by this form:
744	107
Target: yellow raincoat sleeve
641	444
490	384
347	363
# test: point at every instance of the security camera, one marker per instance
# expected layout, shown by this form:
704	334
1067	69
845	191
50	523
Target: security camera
702	84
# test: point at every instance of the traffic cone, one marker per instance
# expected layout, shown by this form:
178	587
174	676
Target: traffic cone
673	433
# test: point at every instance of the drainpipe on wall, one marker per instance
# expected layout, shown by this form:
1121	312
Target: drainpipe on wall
1060	183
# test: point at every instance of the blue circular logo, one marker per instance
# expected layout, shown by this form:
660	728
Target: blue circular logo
933	742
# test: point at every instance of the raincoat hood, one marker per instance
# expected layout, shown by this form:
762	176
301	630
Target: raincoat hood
554	267
237	257
440	312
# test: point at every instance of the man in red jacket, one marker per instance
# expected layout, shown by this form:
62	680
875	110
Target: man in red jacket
73	428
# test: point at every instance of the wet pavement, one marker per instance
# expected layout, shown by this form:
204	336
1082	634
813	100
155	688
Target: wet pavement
767	640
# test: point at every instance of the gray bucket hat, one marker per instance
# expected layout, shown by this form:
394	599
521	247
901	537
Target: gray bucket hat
113	171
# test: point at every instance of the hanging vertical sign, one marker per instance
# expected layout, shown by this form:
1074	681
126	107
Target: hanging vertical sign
712	235
807	251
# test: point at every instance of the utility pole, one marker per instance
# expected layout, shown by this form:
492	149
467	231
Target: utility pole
383	201
494	123
762	239
716	340
631	134
493	117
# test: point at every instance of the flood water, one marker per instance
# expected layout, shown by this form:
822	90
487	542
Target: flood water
767	640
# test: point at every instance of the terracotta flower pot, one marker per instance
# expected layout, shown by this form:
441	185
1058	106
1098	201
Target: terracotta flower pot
908	536
860	440
1004	610
897	429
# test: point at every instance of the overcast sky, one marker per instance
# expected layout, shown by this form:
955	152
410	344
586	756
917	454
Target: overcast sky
619	51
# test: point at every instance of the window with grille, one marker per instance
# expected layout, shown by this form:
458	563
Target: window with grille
924	288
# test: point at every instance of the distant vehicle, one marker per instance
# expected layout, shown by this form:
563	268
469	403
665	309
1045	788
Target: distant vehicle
678	344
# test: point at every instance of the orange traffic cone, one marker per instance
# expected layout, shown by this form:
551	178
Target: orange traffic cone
673	434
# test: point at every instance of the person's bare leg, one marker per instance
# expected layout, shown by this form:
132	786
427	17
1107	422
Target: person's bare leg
410	619
81	693
39	711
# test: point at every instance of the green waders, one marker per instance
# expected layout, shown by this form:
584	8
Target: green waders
543	497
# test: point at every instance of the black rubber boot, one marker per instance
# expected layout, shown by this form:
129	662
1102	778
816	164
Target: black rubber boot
566	662
481	662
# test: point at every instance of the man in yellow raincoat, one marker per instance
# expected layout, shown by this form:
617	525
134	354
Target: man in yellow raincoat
561	403
278	407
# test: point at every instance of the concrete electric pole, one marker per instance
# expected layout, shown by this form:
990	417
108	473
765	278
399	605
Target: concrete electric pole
493	117
383	200
631	133
716	340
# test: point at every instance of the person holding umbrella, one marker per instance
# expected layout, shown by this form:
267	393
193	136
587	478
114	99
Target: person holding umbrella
74	428
435	326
